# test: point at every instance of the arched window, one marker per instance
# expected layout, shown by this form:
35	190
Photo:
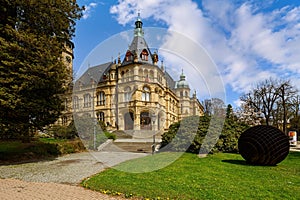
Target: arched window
75	102
151	75
100	116
146	94
186	94
127	73
127	94
101	99
144	55
146	75
87	100
140	73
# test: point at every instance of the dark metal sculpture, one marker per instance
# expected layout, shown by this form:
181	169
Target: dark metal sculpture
263	145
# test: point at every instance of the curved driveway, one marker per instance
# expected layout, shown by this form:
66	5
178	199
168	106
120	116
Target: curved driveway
48	176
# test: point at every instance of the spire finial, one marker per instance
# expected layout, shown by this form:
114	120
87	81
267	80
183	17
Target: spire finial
138	26
162	65
182	76
119	58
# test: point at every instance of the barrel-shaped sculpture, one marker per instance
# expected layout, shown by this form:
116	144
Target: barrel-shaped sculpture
263	145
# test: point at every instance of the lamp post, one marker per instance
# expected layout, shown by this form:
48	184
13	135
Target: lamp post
153	119
271	120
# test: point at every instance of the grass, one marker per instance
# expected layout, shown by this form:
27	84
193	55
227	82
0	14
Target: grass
52	140
219	176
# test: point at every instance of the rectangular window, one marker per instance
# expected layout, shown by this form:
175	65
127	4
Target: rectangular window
101	99
75	102
100	116
87	101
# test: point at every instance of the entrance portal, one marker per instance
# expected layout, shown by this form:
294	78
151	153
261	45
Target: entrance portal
128	121
145	121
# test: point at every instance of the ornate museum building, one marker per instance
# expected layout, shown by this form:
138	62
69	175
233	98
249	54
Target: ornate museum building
134	93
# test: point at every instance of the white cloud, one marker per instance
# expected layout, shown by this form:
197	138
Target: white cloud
88	10
247	43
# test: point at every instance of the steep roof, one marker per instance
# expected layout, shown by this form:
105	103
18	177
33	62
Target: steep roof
170	81
94	74
138	46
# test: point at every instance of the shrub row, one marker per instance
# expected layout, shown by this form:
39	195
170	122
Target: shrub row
190	133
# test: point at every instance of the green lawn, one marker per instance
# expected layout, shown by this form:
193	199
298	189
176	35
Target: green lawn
219	176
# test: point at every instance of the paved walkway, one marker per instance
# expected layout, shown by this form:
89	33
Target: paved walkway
43	180
295	148
12	189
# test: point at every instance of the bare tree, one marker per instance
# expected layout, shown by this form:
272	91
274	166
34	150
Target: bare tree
215	106
295	106
275	99
286	93
207	106
263	98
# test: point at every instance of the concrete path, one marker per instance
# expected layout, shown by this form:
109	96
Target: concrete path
70	169
12	189
295	148
43	180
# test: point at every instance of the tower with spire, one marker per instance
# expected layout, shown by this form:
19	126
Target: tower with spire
138	51
182	90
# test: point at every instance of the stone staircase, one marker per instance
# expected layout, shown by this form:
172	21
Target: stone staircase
132	141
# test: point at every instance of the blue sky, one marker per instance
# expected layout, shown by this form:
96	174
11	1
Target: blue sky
248	41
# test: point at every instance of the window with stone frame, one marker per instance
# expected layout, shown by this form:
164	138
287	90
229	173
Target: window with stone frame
87	100
127	94
146	94
64	120
101	116
128	56
101	98
75	102
144	55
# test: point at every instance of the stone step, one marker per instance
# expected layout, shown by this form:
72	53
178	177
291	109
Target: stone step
145	134
137	146
137	134
143	147
123	134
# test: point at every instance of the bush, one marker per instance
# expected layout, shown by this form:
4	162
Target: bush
110	135
64	132
181	136
44	149
228	141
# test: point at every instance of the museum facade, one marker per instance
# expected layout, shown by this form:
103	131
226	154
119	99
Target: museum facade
133	93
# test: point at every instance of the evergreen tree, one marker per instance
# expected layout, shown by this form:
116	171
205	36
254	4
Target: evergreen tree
32	73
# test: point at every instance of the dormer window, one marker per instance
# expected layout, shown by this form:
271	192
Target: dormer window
128	56
144	55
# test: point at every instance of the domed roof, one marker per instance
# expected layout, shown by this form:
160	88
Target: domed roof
182	83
